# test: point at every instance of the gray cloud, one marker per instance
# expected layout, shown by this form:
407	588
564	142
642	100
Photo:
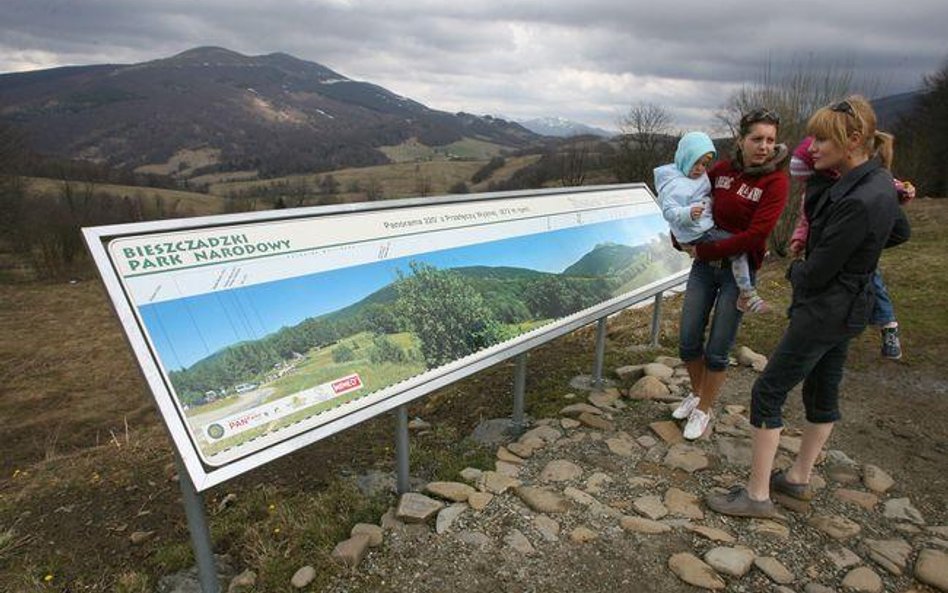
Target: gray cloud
587	61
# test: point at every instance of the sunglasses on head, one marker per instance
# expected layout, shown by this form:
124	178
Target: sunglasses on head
760	115
844	106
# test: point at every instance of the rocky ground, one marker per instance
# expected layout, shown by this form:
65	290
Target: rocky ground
608	497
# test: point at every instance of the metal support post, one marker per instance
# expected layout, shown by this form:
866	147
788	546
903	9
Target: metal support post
600	352
520	384
401	449
656	318
200	535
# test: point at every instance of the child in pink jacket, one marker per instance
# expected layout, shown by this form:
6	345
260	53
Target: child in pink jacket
883	313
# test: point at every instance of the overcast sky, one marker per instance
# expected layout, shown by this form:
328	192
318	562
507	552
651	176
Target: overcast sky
584	60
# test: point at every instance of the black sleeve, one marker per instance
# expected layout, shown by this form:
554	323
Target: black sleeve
901	231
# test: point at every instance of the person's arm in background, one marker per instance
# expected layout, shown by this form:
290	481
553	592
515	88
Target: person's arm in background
801	168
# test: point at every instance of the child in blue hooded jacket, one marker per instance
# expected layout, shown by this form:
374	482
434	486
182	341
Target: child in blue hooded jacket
684	195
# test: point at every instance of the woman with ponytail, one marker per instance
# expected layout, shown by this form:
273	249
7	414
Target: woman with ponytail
853	216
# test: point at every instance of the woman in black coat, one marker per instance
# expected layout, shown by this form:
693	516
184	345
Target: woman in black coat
851	220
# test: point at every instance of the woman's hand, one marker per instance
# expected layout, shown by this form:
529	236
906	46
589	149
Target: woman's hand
796	249
696	212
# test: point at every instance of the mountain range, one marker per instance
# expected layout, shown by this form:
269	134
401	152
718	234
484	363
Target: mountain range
562	128
225	111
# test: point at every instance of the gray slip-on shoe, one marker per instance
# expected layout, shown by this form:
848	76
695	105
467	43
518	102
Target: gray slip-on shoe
779	483
738	503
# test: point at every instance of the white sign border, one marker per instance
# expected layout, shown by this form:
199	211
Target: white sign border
97	239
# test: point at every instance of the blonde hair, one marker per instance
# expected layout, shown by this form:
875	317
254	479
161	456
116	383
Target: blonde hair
853	115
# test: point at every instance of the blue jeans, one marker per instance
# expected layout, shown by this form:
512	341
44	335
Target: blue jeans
800	356
711	284
882	310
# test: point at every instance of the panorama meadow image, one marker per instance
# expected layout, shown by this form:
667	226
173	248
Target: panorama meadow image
248	361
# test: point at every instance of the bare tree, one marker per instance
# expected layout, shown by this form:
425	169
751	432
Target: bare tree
573	160
795	91
644	143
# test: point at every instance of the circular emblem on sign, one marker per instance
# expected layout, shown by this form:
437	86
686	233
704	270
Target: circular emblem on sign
215	431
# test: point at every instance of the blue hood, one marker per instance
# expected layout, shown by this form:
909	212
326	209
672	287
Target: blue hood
692	147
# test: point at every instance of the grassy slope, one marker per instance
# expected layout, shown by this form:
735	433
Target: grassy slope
190	203
67	507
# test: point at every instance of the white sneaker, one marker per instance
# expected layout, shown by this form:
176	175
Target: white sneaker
697	424
686	406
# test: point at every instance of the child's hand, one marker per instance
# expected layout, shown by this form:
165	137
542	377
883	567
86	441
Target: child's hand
907	194
796	249
696	212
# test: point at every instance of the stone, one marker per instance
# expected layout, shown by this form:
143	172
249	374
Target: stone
646	441
641	482
630	372
453	491
470	474
876	479
651	506
548	528
623	446
477	539
668	431
669	361
790	443
582	535
517	541
373	483
496	483
643	525
603	399
350	552
577	409
941	530
479	500
770	528
569	423
901	509
693	571
794	504
931	568
890	554
417	424
835	526
522	450
416	508
590	501
493	432
658	370
388	522
686	457
560	470
595	482
862	579
648	387
245	580
504	454
508	469
733	561
736	451
683	504
734	409
547	434
596	422
773	568
842	557
712	533
866	500
373	532
843	474
812	587
227	501
749	358
541	500
139	537
303	577
447	517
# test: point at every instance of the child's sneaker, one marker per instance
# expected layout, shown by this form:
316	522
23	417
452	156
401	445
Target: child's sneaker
697	424
686	406
891	345
751	302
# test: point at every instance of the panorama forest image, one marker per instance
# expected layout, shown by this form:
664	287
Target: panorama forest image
381	323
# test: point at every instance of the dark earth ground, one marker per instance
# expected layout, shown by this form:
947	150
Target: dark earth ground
85	461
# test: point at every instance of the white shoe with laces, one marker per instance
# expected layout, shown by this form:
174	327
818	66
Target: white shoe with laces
697	424
685	407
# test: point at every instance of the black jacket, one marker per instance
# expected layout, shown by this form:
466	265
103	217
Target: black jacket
851	221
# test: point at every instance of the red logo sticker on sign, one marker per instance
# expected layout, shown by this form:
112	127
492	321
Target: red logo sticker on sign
347	384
